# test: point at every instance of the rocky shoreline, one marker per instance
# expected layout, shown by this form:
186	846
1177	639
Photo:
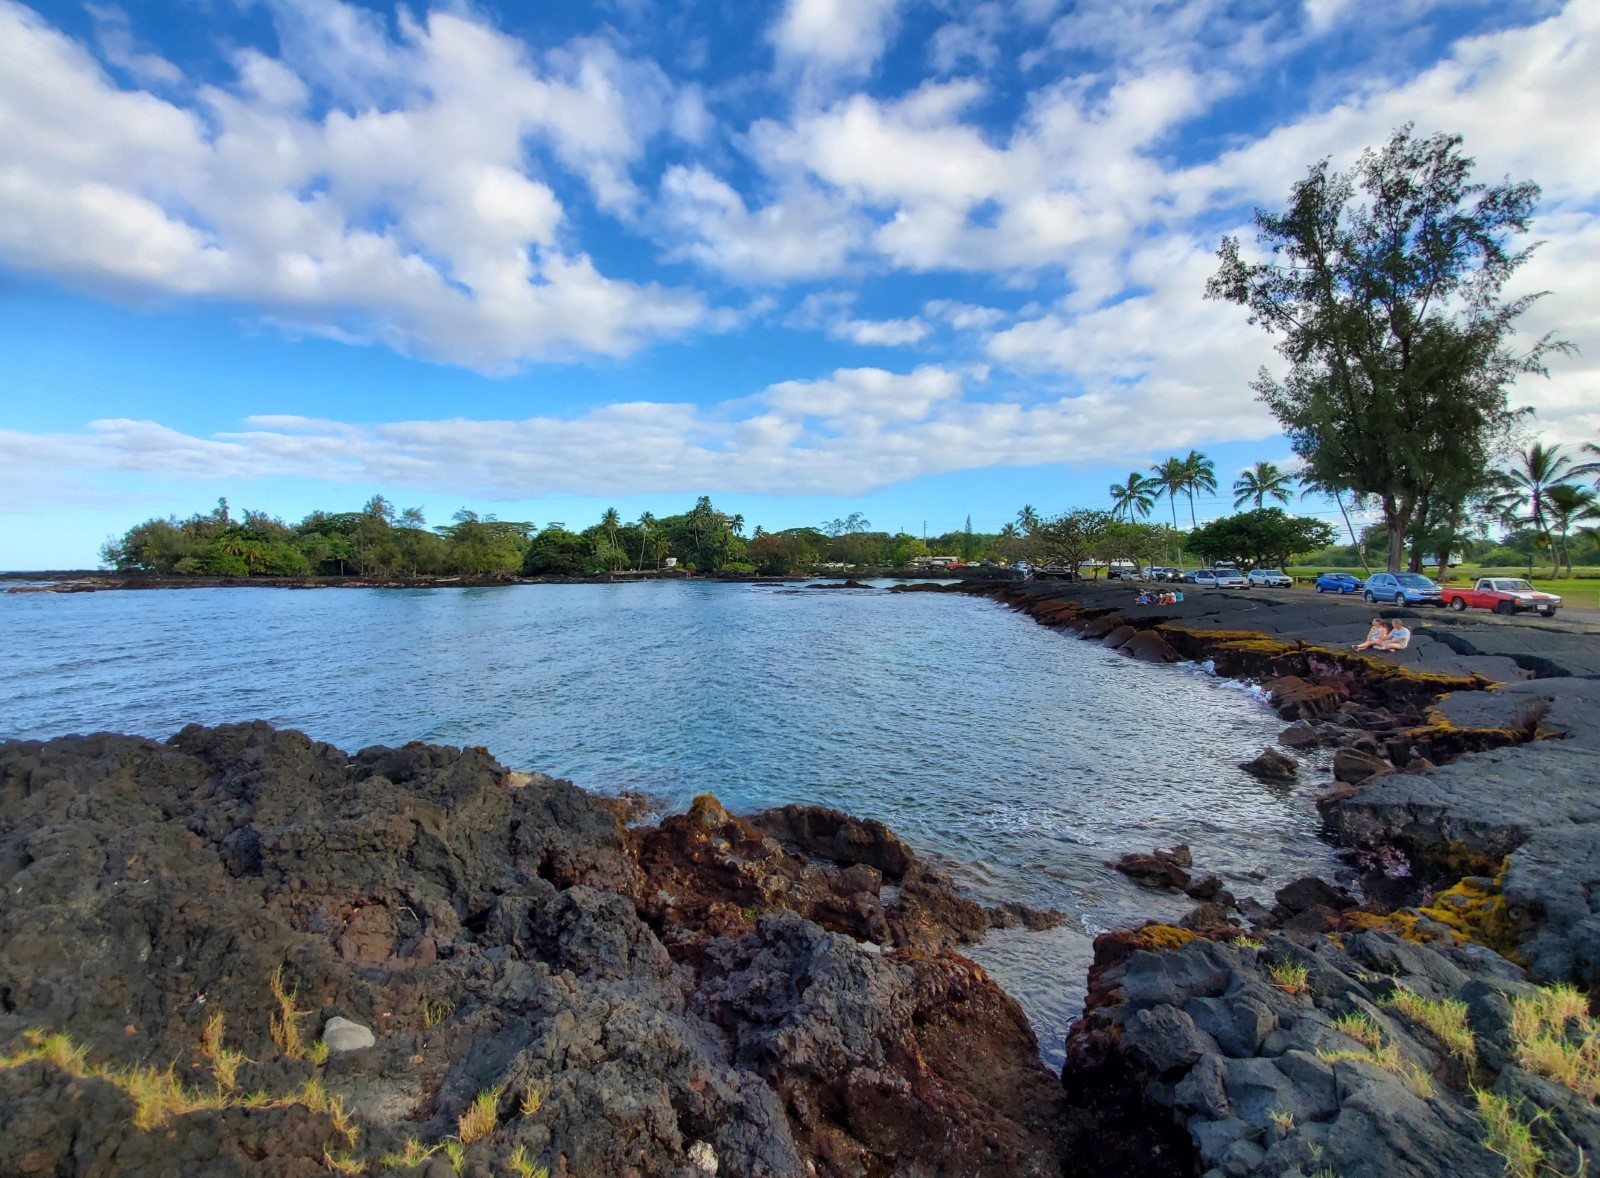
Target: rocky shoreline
1439	1026
244	952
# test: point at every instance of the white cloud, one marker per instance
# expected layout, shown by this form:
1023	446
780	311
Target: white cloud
830	312
831	39
804	234
421	223
114	34
850	432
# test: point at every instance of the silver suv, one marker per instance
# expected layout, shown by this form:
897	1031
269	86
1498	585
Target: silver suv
1270	579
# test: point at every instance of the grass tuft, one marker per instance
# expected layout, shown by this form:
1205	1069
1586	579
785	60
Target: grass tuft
285	1025
532	1101
1361	1028
414	1154
481	1116
224	1060
1444	1018
1290	977
1282	1118
1507	1134
317	1053
456	1154
1553	1034
434	1013
522	1165
343	1163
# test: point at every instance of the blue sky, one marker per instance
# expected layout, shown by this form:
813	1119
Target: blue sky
915	258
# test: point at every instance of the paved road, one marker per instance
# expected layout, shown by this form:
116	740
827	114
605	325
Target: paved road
1475	642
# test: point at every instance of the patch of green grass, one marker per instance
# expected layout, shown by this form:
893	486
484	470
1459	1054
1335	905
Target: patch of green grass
1507	1134
522	1165
1361	1028
285	1025
481	1116
414	1154
1444	1018
1290	977
1553	1034
435	1012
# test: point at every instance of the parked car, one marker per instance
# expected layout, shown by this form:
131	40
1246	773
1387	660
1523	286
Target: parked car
1270	579
1504	595
1161	572
1220	579
1402	589
1339	583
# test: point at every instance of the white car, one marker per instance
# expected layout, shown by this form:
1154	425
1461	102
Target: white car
1230	579
1270	579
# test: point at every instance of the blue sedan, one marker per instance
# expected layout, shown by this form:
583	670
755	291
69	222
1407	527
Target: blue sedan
1339	583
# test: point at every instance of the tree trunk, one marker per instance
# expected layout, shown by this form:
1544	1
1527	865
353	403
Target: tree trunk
1396	519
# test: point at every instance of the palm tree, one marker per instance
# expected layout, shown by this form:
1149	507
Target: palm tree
1538	469
1262	482
1172	476
1028	519
1568	505
1199	474
646	522
1589	468
1136	497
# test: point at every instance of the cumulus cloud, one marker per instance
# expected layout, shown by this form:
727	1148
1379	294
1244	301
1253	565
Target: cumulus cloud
832	39
409	211
830	311
852	431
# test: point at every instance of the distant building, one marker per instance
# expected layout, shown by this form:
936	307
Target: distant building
672	562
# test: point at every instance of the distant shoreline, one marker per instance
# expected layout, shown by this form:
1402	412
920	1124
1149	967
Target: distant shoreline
96	581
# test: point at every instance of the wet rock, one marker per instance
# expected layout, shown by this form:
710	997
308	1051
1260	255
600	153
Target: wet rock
1158	869
1296	698
831	834
1150	647
1118	637
1208	888
1311	892
1299	736
341	1035
1354	766
1099	627
1272	765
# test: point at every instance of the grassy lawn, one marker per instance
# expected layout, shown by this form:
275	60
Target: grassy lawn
1581	590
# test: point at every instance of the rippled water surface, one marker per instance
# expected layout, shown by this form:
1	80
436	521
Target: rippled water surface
1020	758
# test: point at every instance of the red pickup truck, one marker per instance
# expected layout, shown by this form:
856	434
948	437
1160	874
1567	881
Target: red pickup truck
1504	595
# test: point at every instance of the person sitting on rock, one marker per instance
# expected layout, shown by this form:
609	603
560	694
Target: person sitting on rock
1377	636
1399	637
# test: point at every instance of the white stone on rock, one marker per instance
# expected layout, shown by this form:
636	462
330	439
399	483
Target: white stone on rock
702	1157
340	1034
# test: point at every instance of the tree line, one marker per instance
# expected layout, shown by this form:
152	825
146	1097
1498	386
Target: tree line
381	541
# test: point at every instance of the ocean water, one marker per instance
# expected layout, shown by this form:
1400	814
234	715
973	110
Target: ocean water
1021	759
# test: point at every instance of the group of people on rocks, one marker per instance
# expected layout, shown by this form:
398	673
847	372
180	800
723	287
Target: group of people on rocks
1386	635
1158	597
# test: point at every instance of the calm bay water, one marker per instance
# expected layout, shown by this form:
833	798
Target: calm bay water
1019	758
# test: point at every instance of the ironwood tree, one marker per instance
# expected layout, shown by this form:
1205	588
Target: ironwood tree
1385	286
